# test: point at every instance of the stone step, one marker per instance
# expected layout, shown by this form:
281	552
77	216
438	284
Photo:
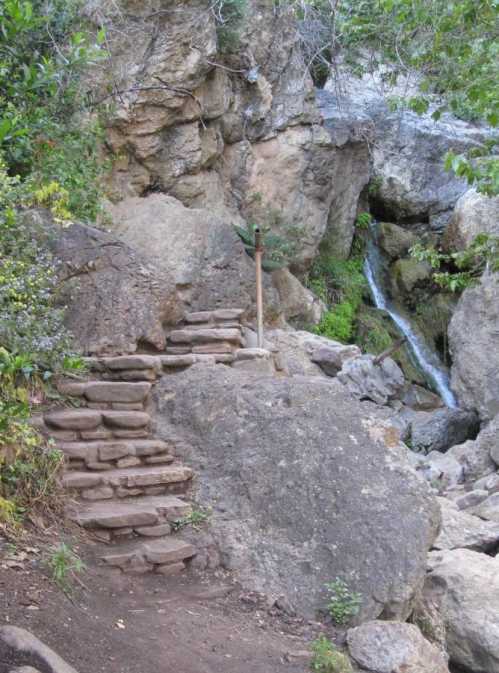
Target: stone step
91	419
201	336
138	513
221	314
107	391
166	556
128	482
112	453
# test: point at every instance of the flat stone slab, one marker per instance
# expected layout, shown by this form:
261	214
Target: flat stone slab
73	419
168	550
178	360
126	419
114	449
155	552
129	477
253	354
121	362
142	512
115	391
205	335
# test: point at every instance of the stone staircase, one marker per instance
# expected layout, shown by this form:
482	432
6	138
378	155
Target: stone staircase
127	487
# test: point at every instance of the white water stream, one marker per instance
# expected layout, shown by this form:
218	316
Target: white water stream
428	361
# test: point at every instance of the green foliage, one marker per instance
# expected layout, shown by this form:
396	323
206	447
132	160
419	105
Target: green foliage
450	48
341	284
343	603
48	157
363	221
278	251
458	270
327	659
194	519
229	18
64	564
44	135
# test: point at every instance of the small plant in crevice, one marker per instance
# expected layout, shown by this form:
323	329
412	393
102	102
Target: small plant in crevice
363	220
278	251
64	565
327	659
229	17
195	519
344	604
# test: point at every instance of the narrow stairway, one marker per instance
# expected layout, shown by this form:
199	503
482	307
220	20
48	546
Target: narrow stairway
127	487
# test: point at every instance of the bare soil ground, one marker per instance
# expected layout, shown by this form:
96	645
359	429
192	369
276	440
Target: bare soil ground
195	623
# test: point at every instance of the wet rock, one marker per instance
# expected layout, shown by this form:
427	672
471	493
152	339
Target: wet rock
395	240
393	647
407	273
288	465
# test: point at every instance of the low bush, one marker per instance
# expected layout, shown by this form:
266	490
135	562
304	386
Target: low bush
327	659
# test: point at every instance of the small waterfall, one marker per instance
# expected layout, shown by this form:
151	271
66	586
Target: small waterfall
428	361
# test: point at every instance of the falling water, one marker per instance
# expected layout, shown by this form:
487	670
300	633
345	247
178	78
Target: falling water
428	361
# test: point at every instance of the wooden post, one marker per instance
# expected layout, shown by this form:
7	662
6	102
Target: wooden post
259	288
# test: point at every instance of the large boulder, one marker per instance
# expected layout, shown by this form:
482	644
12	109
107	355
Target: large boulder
21	648
201	250
440	429
395	240
394	647
463	586
474	214
474	346
288	466
367	379
117	299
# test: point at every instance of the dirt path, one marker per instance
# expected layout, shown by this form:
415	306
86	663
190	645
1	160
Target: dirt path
151	624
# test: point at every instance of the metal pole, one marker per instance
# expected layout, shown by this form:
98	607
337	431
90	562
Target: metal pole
259	288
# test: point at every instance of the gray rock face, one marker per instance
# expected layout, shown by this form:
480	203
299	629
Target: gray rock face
369	381
22	651
300	475
474	346
474	214
393	647
208	262
440	429
408	151
488	508
463	586
461	530
116	298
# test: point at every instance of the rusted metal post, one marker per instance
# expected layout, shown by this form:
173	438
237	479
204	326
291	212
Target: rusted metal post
259	288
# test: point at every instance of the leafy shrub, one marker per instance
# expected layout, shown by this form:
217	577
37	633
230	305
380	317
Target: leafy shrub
363	220
343	603
327	659
470	263
48	157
